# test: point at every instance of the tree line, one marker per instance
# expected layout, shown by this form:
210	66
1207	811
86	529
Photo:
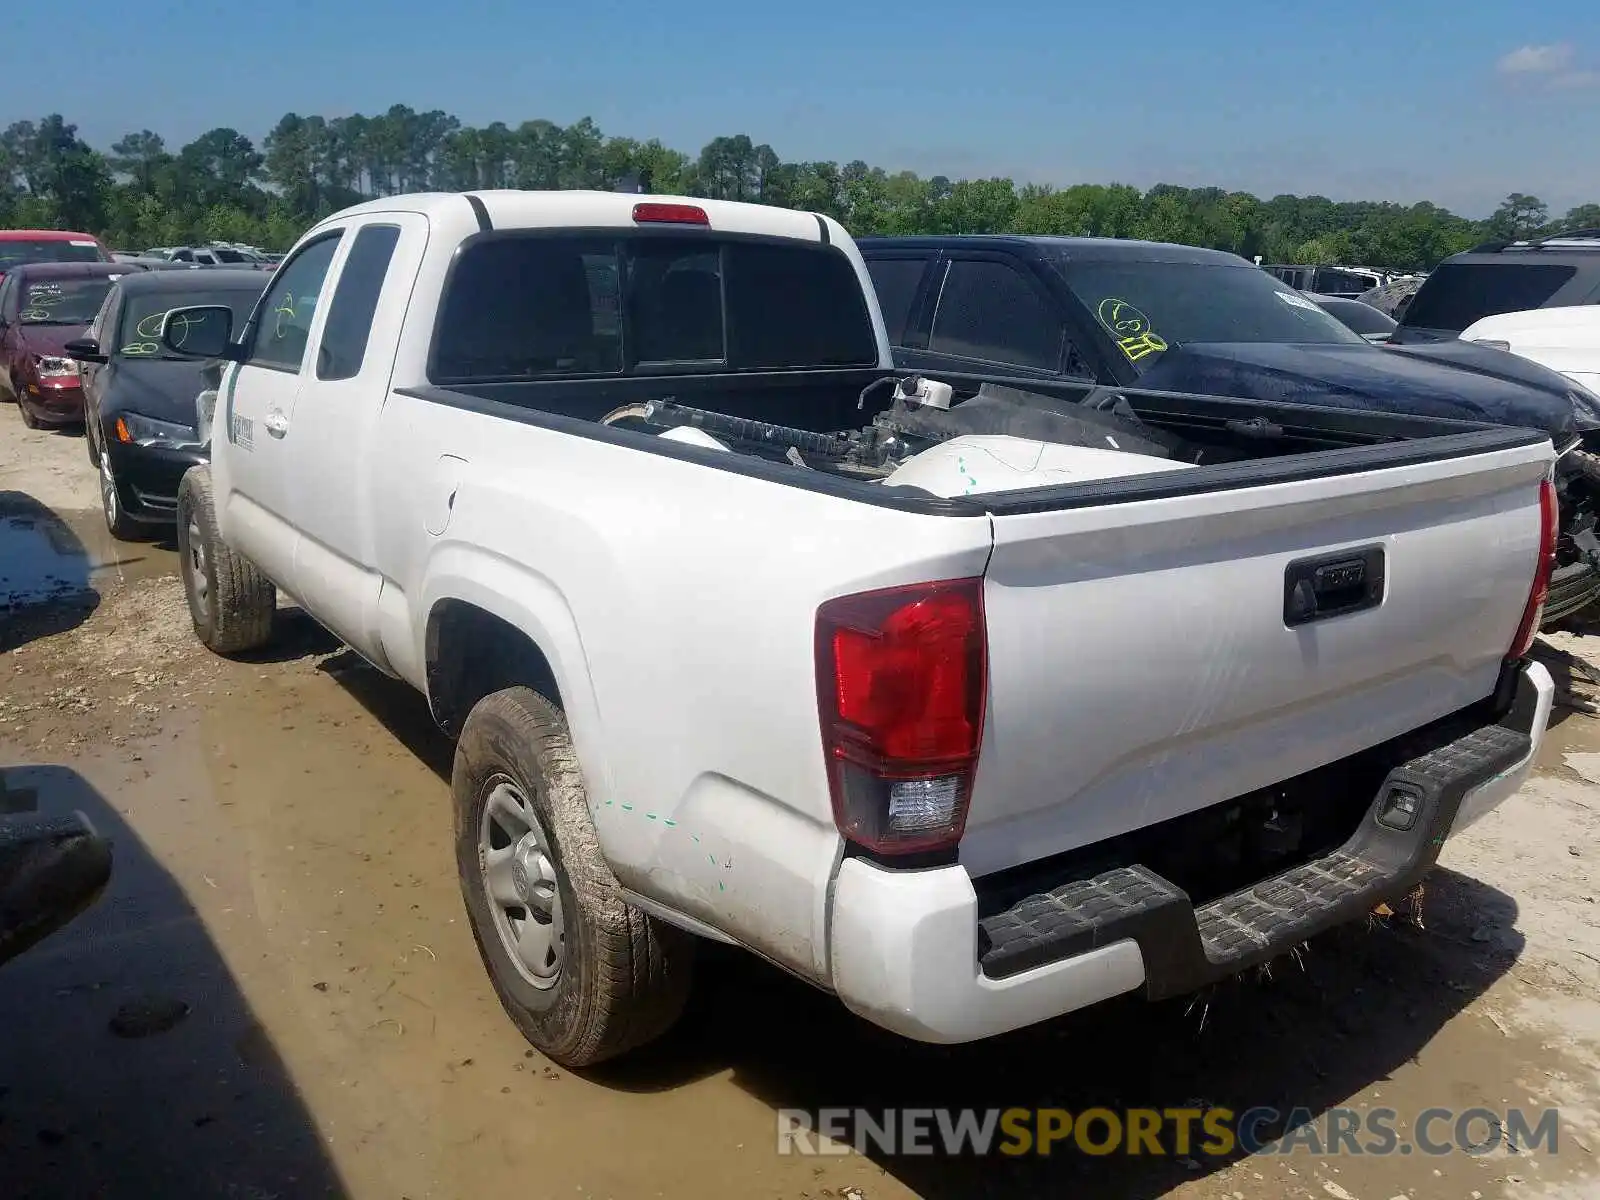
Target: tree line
140	193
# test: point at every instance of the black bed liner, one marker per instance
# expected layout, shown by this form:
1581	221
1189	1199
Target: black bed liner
1392	440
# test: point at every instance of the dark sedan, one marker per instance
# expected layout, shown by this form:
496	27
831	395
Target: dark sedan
140	402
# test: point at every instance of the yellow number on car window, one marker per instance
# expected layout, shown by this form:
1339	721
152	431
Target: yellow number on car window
1130	328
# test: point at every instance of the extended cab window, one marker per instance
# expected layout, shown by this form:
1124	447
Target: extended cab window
531	306
283	325
988	310
355	300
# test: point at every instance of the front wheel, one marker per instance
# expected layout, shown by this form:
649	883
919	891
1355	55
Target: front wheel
584	975
118	523
231	603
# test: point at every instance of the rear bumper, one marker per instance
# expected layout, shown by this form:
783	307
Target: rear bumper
909	951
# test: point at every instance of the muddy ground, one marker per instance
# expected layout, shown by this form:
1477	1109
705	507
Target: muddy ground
284	881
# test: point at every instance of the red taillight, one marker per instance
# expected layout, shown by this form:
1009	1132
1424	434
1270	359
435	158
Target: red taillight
901	682
671	214
1533	611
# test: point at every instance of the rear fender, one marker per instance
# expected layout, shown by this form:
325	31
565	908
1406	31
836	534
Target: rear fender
532	604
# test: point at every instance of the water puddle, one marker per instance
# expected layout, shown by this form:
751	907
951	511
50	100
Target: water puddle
41	559
46	573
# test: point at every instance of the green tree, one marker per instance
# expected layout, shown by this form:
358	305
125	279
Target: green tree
222	185
1519	216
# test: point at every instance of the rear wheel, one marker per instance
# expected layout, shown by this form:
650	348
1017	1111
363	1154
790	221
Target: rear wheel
584	975
231	603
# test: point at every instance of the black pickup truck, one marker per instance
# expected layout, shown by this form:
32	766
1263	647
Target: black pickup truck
1176	318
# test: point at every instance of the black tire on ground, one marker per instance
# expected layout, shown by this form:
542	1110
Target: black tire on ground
1573	588
118	523
624	976
231	603
28	419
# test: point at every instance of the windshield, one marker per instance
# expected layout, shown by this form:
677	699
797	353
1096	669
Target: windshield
139	335
15	252
1457	294
62	301
1150	307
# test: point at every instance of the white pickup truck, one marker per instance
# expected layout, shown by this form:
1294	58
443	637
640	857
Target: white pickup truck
973	710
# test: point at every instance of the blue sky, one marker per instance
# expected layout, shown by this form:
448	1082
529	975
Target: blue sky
1413	100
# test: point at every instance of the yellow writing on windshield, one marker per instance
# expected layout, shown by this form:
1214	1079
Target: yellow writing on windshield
1130	328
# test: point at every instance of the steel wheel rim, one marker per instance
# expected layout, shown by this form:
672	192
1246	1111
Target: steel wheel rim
197	567
519	883
109	501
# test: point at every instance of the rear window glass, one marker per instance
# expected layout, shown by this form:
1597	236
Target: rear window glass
62	301
1457	294
16	251
1360	316
1331	281
531	307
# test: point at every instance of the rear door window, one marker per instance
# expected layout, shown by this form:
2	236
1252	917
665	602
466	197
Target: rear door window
355	300
896	281
990	311
1457	294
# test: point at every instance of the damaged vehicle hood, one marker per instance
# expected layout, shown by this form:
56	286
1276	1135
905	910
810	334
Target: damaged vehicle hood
1418	380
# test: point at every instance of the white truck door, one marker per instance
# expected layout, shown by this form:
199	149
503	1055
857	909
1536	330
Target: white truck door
334	417
256	487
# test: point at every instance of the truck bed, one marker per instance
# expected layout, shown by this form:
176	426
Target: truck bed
1309	442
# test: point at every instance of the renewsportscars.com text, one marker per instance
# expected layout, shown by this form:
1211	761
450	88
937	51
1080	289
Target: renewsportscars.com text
1180	1132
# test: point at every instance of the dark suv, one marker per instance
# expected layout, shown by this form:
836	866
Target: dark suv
1500	277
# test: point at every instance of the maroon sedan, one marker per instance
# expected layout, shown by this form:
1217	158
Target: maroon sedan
43	306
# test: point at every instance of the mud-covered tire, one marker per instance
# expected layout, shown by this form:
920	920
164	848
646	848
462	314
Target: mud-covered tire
624	976
231	603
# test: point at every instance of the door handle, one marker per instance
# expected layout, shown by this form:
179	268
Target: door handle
277	424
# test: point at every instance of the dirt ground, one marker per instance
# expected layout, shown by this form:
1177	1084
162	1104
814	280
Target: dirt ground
284	881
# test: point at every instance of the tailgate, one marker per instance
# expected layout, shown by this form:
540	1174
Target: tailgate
1141	664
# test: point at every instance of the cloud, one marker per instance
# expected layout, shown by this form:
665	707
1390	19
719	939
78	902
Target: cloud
1537	60
1569	80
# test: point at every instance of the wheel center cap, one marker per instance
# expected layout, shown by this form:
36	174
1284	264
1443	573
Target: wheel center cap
525	868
